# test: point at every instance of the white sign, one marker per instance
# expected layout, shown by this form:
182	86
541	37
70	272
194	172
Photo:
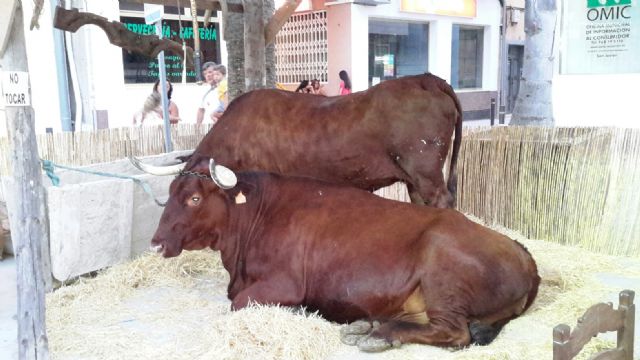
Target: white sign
15	88
153	13
601	37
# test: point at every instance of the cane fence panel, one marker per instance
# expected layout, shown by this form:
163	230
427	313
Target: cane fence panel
574	186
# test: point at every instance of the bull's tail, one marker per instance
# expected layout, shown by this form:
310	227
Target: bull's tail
484	334
452	182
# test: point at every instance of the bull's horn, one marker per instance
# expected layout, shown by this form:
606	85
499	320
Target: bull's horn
157	170
222	176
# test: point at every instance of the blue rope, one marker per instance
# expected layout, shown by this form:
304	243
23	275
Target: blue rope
48	166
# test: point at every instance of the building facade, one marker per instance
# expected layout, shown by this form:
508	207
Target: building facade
458	41
373	40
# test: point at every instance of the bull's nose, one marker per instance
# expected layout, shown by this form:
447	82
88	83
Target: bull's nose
156	248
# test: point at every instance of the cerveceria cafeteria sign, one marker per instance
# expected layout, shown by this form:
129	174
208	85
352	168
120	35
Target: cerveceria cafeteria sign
601	37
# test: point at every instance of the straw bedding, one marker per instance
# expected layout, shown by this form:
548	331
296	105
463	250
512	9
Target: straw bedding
155	308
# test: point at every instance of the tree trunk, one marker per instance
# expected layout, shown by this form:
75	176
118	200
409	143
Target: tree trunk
26	210
233	23
254	45
270	50
533	105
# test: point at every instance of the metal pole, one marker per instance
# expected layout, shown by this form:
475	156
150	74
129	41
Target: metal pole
163	94
196	42
492	114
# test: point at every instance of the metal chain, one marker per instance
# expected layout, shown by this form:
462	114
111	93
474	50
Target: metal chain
193	173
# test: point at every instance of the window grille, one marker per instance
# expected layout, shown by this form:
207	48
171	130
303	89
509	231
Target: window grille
301	48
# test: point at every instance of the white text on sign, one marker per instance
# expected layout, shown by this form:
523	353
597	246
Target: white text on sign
15	88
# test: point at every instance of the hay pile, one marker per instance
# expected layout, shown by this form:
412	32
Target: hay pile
155	308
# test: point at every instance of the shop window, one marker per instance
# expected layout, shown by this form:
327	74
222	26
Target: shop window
301	48
176	26
466	57
397	49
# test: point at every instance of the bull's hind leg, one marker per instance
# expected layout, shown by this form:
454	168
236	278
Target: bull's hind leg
426	183
439	332
353	333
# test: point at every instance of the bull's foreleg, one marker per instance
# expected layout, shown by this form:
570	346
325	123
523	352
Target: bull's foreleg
449	333
283	292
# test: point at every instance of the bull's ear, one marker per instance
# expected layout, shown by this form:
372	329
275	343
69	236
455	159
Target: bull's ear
222	176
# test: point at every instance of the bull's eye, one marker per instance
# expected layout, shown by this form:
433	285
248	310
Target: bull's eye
194	200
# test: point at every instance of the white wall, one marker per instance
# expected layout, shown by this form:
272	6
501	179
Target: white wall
596	100
42	68
341	55
186	96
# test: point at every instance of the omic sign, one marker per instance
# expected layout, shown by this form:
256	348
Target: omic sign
601	37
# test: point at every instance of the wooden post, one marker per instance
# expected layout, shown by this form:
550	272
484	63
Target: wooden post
27	216
561	346
625	334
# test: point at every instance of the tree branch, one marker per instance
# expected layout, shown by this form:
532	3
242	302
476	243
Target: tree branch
148	45
35	16
278	19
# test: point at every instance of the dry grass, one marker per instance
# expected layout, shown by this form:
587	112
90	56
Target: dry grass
155	308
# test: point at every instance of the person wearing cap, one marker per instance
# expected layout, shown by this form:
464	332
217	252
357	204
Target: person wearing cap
209	99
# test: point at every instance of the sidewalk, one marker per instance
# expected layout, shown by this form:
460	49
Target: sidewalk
486	122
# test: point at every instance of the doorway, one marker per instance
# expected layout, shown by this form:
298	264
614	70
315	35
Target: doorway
514	64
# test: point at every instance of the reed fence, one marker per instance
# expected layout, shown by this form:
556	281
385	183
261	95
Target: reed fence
84	148
577	186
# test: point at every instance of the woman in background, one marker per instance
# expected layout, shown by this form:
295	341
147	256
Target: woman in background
303	87
345	83
151	113
316	88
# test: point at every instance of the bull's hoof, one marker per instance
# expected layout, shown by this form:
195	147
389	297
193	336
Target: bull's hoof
373	344
357	327
352	339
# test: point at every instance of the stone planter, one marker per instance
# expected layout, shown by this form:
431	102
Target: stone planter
96	221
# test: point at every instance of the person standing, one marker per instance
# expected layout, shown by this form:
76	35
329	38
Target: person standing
209	99
151	113
219	76
345	83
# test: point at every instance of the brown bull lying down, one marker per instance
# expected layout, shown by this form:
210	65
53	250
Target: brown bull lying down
399	130
427	275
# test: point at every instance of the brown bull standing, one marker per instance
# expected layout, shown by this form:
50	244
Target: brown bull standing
399	130
425	275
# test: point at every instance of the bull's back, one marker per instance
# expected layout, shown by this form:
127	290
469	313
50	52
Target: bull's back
302	135
366	139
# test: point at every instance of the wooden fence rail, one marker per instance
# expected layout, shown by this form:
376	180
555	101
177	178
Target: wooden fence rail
575	186
599	318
